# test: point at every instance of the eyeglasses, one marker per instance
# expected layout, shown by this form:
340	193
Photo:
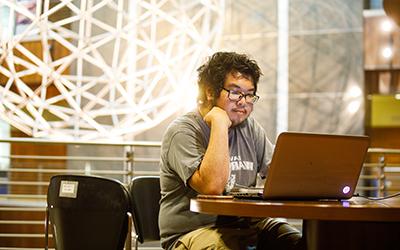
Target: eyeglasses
236	96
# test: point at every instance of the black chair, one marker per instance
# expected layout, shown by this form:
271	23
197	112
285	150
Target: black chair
88	212
145	195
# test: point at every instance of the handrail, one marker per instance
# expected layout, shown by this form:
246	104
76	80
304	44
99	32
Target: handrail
81	142
384	150
73	158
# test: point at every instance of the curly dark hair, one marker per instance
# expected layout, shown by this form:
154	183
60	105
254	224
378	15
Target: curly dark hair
213	73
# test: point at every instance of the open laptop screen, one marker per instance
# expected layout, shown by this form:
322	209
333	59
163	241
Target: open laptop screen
315	166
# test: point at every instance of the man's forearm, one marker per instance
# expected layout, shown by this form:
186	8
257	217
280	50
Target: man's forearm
213	173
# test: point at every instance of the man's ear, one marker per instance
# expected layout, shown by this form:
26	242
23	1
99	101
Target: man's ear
209	95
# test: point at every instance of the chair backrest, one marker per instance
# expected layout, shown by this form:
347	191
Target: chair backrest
145	195
88	212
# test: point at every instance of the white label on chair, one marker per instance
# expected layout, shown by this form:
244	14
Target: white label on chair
68	189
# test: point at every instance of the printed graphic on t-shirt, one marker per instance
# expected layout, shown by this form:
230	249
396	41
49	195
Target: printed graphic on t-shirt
231	183
241	172
237	164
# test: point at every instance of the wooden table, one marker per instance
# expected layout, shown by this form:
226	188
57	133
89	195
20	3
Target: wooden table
357	223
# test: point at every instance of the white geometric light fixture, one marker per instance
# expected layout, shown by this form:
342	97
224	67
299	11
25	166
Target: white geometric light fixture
127	64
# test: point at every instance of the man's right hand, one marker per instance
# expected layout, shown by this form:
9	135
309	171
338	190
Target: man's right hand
217	116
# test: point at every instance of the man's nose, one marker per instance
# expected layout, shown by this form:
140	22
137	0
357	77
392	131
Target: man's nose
241	101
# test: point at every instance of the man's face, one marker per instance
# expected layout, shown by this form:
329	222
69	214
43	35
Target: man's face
238	111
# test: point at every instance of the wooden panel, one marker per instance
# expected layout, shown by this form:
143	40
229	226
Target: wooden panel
34	149
23	242
57	51
384	138
375	40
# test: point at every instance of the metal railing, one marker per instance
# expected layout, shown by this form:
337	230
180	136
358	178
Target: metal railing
381	173
24	177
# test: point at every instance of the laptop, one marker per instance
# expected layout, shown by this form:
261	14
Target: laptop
307	166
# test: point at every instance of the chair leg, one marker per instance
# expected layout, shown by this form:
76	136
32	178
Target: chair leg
46	230
128	241
136	243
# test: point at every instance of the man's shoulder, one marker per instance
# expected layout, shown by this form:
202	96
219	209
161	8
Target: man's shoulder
186	119
187	122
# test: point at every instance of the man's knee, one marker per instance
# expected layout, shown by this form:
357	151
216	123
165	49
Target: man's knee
278	234
217	238
203	238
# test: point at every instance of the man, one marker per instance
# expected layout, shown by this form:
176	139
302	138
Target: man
211	150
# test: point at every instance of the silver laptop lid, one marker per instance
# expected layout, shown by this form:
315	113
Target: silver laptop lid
315	166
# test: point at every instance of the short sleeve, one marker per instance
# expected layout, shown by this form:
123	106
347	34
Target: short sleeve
185	153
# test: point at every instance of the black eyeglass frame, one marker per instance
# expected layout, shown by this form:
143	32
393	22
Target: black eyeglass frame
253	98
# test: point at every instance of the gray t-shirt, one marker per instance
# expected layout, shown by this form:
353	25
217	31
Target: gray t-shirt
182	151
